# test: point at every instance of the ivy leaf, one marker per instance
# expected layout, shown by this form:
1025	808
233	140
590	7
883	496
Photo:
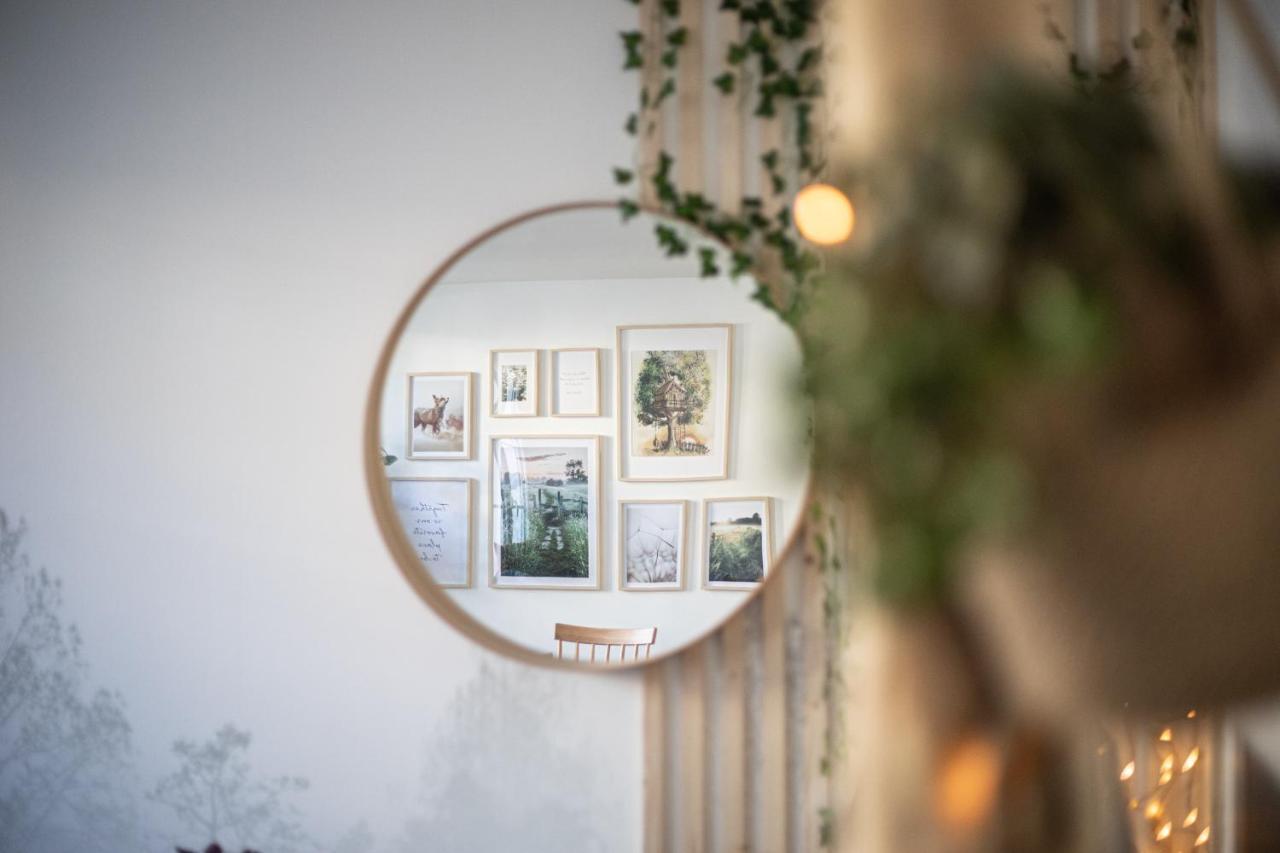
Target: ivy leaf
628	208
725	83
736	54
765	108
632	122
730	5
707	259
770	159
677	37
808	59
671	8
669	58
779	185
670	239
622	176
739	263
632	41
668	89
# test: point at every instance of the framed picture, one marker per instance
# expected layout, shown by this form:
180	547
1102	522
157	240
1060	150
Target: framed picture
738	542
544	512
513	383
435	513
575	383
674	385
439	416
651	545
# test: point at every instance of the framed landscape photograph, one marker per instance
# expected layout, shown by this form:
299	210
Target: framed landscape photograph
674	387
544	512
575	383
513	383
439	416
738	542
435	513
651	546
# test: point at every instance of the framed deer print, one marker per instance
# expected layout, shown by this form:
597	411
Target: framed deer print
738	543
439	416
435	513
544	512
513	383
673	387
651	545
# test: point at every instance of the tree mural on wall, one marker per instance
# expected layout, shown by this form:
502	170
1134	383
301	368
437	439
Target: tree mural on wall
65	747
215	793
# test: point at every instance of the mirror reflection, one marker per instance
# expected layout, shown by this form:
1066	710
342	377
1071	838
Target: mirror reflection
591	451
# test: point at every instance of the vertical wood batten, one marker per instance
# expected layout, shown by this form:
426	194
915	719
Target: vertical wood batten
651	127
730	766
796	719
655	751
775	805
753	713
815	797
729	122
691	832
690	90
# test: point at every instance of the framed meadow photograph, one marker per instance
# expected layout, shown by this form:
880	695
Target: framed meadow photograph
544	512
738	542
439	416
674	387
435	513
575	383
513	383
651	545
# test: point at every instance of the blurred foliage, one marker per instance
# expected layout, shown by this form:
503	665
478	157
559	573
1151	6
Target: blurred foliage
1034	237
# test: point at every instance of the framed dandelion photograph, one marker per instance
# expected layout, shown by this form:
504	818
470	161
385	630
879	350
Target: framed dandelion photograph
738	542
544	512
674	387
651	546
513	383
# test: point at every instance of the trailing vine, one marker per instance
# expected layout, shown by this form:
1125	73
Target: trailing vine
775	65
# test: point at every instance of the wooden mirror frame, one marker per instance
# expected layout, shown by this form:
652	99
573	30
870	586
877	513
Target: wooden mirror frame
406	559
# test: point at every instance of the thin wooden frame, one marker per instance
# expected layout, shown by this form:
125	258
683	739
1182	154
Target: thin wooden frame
622	393
440	602
681	552
535	384
592	484
766	544
468	428
470	526
554	390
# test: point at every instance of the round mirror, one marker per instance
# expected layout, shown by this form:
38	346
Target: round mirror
582	448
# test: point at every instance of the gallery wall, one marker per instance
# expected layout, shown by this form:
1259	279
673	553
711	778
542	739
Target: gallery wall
460	321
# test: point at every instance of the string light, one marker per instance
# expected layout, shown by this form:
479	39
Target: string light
1127	773
1192	757
1203	838
1165	830
1155	808
1167	735
1191	818
1191	715
823	214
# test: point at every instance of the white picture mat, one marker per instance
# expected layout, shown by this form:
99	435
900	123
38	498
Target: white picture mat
715	465
676	511
504	456
435	515
421	444
575	377
514	358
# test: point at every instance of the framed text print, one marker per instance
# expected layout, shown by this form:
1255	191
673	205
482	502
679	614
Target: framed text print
435	513
575	383
544	512
674	385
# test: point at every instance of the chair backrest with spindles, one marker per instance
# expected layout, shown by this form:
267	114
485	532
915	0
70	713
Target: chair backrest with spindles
622	639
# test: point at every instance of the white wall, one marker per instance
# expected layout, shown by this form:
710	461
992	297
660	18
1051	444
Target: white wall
458	323
210	213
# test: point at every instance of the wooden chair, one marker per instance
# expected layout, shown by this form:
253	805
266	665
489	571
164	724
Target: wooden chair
624	638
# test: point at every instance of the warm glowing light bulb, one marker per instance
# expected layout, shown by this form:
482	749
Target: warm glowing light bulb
967	783
1167	764
823	214
1192	757
1165	830
1154	809
1203	838
1127	773
1191	818
1166	735
1191	715
1166	777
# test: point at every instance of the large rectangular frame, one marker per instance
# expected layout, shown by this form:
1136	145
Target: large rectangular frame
622	393
594	492
471	496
